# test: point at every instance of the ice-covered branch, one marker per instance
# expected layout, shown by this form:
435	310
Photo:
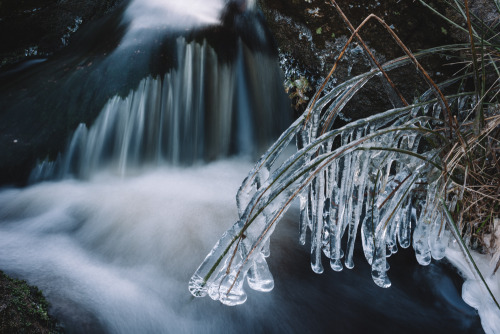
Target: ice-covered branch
365	176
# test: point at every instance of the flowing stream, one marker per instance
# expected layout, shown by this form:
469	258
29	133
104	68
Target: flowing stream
113	228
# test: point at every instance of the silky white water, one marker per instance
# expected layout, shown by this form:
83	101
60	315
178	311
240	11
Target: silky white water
474	291
115	255
173	13
121	250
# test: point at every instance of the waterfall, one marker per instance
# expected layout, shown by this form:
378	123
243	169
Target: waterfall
173	13
201	110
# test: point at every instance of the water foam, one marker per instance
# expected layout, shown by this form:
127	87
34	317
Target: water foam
120	250
474	291
147	14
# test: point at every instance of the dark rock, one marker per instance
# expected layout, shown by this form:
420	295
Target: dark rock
37	110
310	35
38	28
23	308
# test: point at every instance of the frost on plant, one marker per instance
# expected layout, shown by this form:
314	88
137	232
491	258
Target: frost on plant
359	181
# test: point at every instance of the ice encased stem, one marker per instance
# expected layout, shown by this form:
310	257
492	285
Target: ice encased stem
366	176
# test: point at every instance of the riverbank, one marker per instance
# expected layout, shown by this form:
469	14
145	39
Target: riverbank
23	308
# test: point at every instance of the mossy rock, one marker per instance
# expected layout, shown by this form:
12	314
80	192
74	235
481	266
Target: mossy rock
311	33
23	308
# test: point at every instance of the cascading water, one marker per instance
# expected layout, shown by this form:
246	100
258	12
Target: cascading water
201	110
121	222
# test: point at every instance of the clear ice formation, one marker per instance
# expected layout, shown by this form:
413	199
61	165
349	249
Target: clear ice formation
364	177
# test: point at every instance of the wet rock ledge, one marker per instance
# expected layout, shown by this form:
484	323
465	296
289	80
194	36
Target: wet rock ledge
311	33
38	28
23	309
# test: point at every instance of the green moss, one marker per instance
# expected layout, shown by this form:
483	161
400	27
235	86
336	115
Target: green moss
297	91
23	308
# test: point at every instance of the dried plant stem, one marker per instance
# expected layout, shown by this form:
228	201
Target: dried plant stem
372	57
451	121
479	120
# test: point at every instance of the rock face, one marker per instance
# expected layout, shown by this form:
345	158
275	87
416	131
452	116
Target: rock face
23	309
31	31
311	33
40	27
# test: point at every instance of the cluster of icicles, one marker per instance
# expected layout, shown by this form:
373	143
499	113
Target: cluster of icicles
365	176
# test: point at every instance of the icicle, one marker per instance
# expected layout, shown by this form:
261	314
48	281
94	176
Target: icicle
329	182
335	251
311	207
231	290
325	246
259	277
379	264
391	239
306	207
304	217
368	237
438	238
371	216
334	226
317	231
266	248
402	183
358	199
407	220
421	242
